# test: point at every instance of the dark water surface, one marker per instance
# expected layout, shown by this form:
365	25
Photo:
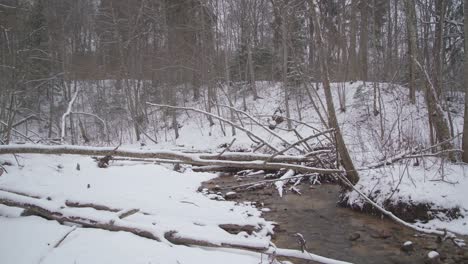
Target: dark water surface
329	229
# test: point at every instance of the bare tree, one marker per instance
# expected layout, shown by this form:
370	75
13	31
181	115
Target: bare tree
346	160
465	120
412	46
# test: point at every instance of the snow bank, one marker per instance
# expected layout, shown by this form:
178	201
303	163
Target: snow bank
166	199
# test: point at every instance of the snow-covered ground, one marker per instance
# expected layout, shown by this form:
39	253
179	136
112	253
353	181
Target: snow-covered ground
171	200
400	126
168	198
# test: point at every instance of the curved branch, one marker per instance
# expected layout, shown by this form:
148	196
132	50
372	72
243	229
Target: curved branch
67	113
219	118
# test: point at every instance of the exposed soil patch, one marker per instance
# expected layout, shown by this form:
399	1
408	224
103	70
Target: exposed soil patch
337	232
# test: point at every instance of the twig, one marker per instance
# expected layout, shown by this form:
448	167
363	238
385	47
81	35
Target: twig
299	142
264	181
390	214
257	122
64	237
227	148
219	118
128	213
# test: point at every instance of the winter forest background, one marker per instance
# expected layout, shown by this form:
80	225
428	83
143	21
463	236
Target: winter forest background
234	131
122	54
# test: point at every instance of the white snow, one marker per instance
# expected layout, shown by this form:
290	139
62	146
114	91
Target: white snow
172	199
169	197
432	254
408	243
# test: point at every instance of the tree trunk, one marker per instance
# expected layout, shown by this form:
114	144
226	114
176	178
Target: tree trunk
363	47
412	46
284	33
353	73
465	122
436	112
351	173
437	69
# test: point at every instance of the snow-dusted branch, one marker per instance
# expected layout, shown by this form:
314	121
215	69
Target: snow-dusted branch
391	215
248	132
108	220
238	160
279	184
95	116
55	211
258	123
67	113
300	142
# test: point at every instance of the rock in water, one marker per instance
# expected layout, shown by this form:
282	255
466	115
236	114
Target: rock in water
230	195
433	257
354	236
407	246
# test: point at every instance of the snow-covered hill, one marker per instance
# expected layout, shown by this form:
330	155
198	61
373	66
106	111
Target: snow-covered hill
371	138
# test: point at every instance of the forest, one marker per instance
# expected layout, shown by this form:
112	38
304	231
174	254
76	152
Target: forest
236	131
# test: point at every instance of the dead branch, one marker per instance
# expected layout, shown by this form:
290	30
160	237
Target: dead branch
244	161
67	113
299	142
219	118
90	205
174	238
41	208
53	211
155	161
415	154
104	161
227	148
257	122
64	237
127	213
263	182
390	214
22	121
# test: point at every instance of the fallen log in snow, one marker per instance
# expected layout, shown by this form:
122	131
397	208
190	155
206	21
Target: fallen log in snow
110	221
232	160
54	211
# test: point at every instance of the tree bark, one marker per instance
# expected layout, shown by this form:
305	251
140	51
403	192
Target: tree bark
363	47
436	112
352	43
412	46
351	173
465	121
438	41
284	38
242	161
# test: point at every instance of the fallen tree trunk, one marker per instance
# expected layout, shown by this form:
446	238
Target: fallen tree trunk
277	252
232	160
54	211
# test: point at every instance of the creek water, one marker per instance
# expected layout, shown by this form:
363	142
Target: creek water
337	232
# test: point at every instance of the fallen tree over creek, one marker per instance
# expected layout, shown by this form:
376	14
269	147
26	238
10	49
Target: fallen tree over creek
230	159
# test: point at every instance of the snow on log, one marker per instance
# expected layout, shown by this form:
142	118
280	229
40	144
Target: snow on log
282	252
243	161
279	184
67	113
108	220
55	211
